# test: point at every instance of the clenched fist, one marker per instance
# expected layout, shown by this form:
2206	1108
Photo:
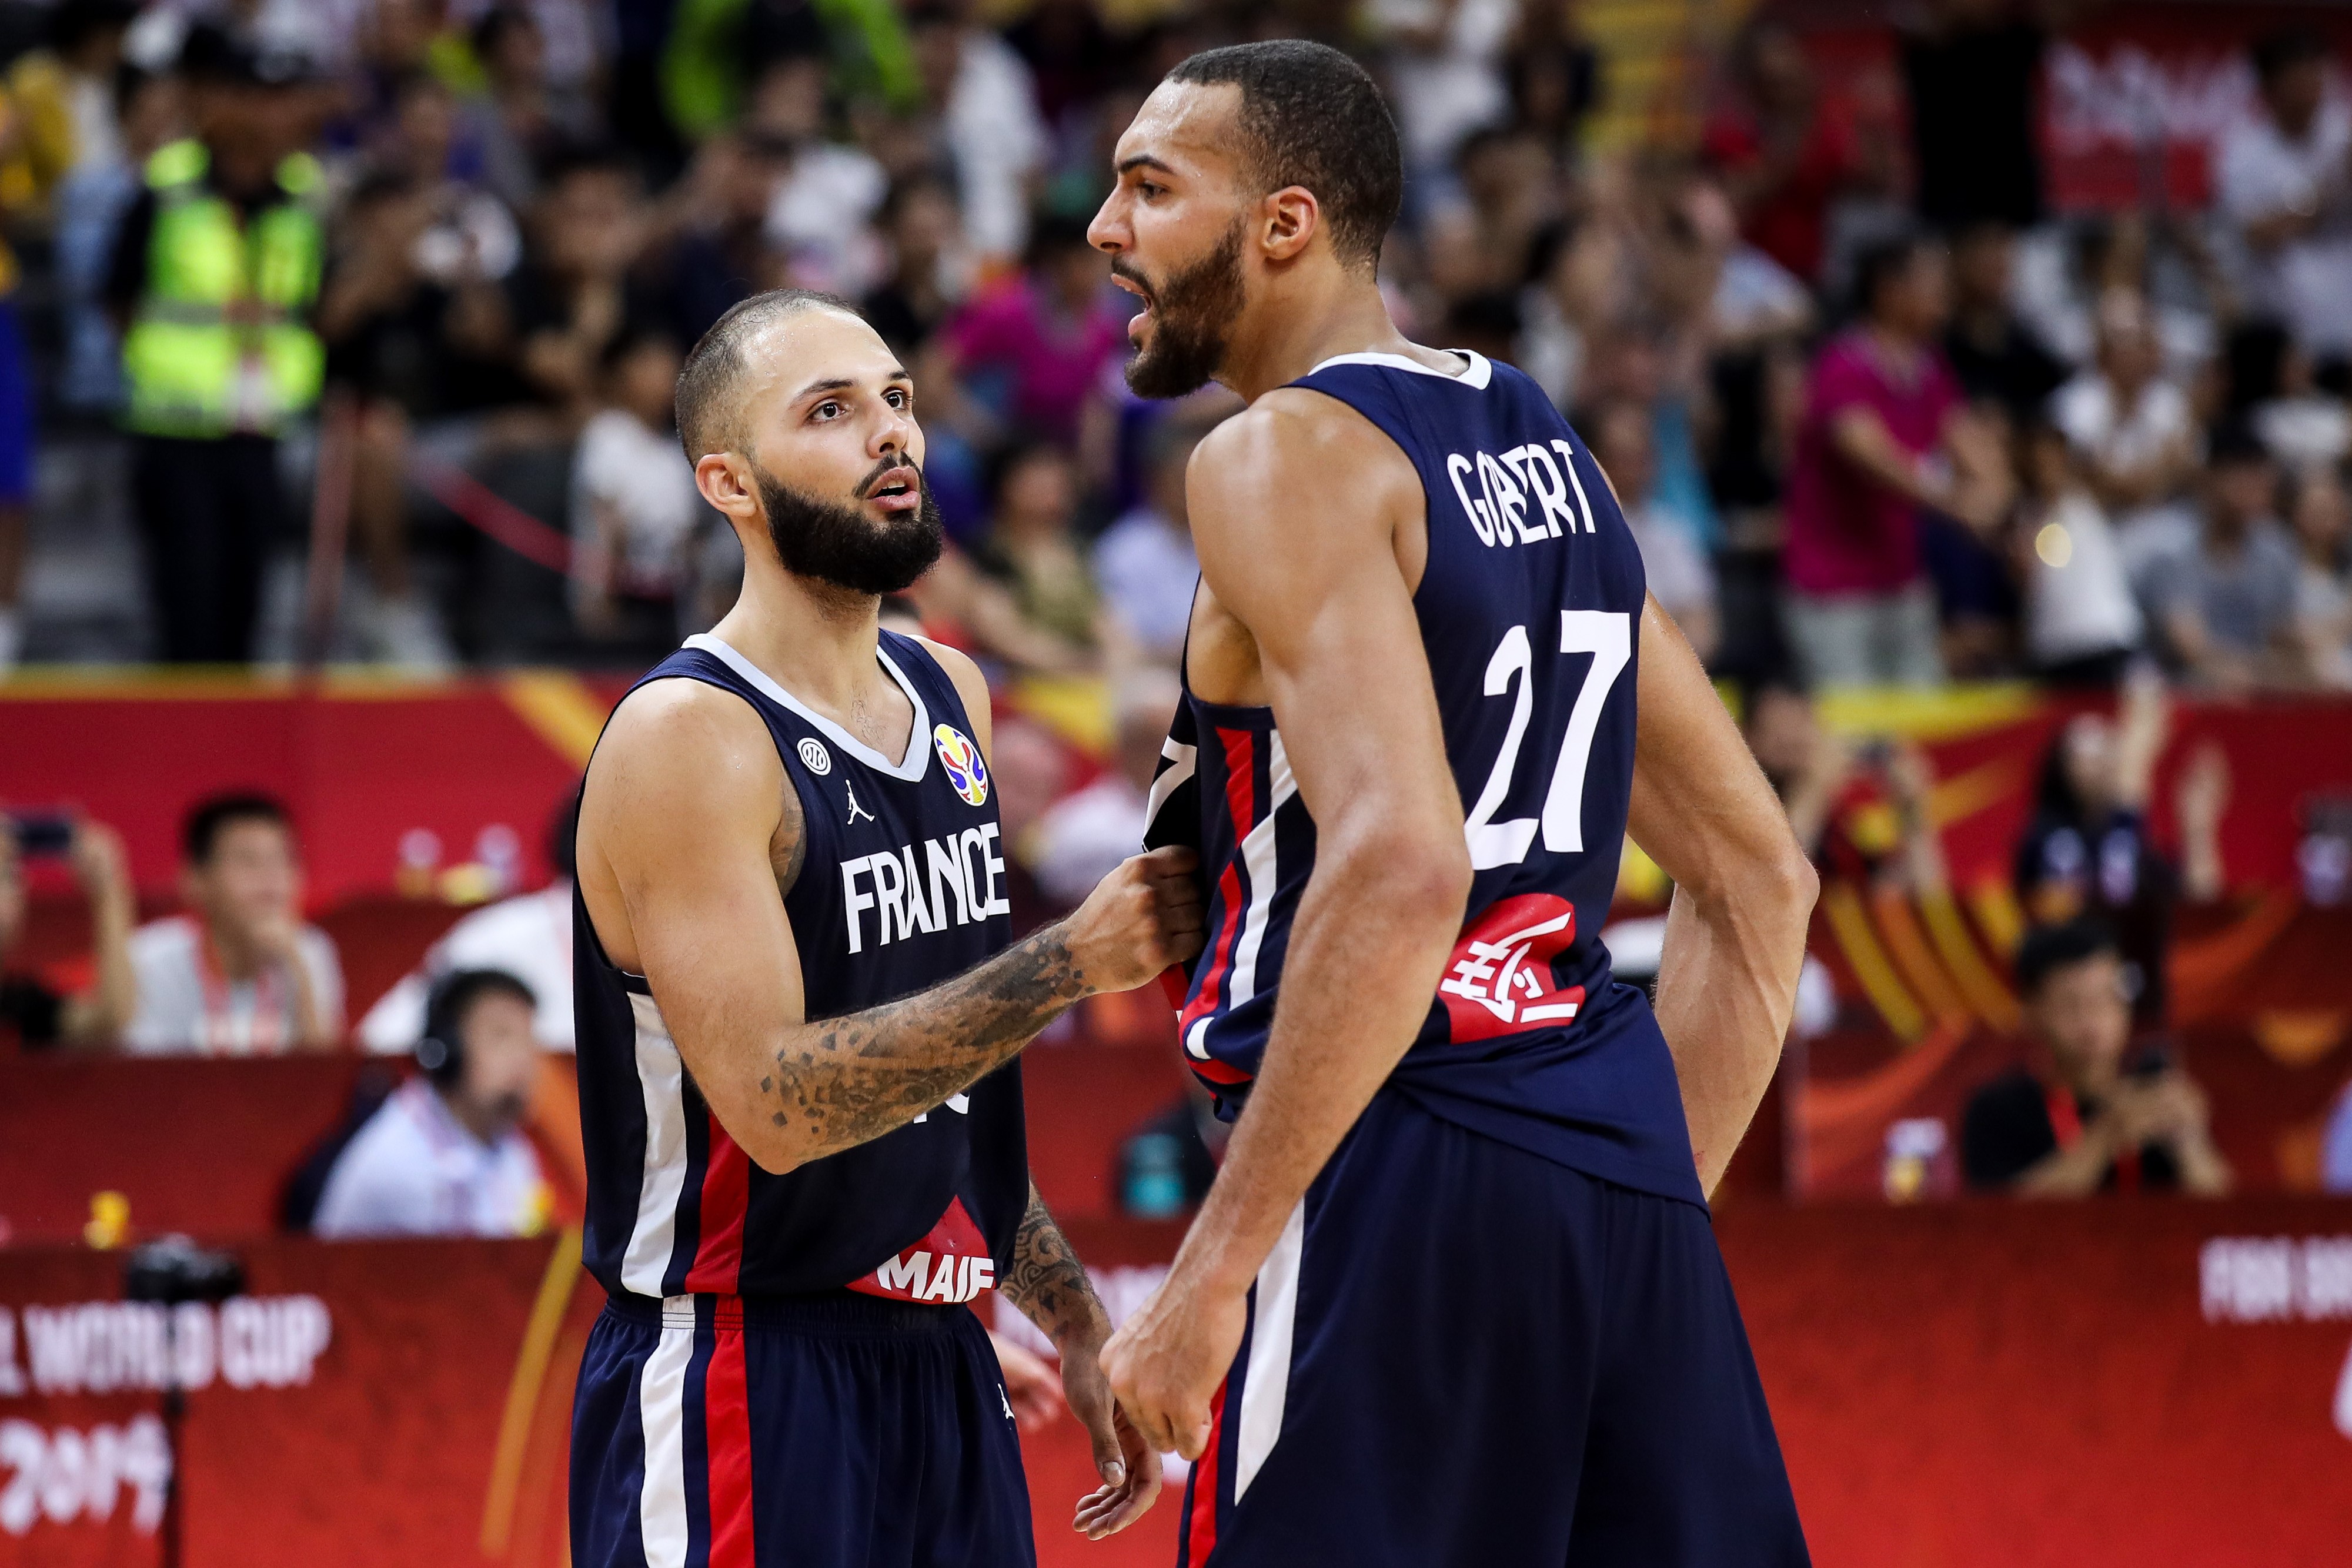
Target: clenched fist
1138	920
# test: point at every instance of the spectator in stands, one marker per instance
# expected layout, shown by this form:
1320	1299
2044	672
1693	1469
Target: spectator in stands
1032	546
1084	834
90	203
1678	573
927	265
2088	849
2091	1118
37	1011
2227	605
528	936
525	119
1783	152
575	293
2319	513
1884	435
2081	625
1972	68
828	193
45	112
1031	350
637	517
239	974
1144	562
2131	427
445	1154
1995	356
988	123
2284	190
219	359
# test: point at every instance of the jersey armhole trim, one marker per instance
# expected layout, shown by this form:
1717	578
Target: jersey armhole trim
909	767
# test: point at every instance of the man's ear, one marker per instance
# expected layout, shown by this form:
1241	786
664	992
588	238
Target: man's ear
724	480
1292	218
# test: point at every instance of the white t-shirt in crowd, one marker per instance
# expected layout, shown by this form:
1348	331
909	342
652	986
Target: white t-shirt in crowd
2081	607
187	1008
2259	174
996	136
528	936
642	474
1084	836
413	1169
2097	423
822	217
1146	569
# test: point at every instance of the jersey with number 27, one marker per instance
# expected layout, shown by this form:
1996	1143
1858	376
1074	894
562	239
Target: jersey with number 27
1530	613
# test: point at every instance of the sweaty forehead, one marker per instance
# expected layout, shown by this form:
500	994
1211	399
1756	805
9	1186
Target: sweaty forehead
1188	126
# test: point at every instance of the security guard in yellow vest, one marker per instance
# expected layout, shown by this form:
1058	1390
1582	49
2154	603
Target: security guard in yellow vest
214	277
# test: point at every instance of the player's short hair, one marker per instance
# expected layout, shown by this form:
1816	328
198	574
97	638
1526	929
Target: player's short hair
215	814
709	384
2049	949
1310	117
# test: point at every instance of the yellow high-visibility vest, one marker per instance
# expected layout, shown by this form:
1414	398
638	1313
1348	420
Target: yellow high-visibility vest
221	342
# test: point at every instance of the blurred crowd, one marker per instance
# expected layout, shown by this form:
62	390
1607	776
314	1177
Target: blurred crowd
366	315
385	297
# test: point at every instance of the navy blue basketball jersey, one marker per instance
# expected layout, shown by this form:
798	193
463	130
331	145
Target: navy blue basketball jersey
1530	612
901	886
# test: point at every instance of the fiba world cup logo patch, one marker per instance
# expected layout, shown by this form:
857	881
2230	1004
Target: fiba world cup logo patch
961	757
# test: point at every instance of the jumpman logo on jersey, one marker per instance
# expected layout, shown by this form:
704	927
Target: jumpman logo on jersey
855	810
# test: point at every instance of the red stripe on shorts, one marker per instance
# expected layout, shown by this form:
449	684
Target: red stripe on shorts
1200	1530
726	1419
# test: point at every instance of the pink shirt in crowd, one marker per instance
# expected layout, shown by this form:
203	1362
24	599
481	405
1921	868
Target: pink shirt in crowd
1847	534
1054	363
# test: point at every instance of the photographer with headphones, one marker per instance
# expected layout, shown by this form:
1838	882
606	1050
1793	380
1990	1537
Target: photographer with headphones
445	1155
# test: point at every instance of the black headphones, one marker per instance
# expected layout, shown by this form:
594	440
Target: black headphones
441	1050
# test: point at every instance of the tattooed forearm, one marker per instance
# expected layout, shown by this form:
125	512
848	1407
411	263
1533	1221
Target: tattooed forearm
839	1082
1045	1281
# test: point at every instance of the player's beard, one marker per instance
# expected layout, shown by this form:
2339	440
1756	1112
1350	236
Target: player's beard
846	547
1192	314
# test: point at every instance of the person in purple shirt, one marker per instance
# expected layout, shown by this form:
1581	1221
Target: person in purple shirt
1033	349
1885	432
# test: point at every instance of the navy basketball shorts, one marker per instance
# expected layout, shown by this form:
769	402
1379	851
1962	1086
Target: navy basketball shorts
814	1432
1464	1355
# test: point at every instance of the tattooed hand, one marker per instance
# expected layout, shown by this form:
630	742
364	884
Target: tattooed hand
1046	1282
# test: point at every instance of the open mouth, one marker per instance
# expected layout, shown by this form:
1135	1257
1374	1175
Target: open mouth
898	490
1135	323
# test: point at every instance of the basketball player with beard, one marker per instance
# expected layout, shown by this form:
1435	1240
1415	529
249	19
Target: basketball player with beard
1453	1297
799	1006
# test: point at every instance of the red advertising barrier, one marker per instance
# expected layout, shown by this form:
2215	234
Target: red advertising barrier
450	774
2113	1381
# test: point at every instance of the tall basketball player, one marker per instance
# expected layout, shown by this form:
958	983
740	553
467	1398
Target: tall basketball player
799	1005
1453	1298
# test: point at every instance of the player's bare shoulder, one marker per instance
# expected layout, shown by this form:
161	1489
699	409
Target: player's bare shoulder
681	758
1285	496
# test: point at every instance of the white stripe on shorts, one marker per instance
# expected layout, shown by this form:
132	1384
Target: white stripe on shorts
661	1405
1265	1383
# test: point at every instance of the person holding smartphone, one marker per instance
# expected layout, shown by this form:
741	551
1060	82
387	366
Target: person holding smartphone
34	1010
